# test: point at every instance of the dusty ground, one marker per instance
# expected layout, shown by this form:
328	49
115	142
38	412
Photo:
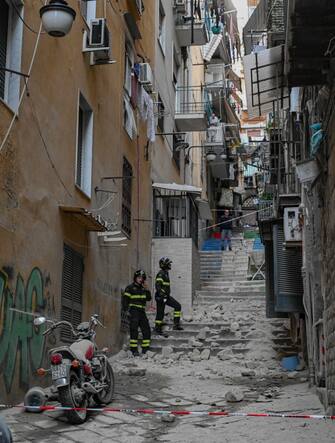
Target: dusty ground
195	386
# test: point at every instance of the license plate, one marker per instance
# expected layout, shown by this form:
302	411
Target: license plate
59	371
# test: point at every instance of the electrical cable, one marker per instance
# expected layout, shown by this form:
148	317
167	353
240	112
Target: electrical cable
22	19
45	145
4	141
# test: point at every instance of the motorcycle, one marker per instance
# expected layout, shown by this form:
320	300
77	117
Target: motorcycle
80	372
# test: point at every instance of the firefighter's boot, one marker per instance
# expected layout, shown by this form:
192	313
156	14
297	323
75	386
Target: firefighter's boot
176	325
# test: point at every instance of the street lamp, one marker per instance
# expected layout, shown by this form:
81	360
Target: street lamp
57	18
210	156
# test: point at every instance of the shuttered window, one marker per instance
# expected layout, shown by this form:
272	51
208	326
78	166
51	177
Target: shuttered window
4	14
84	146
288	284
72	289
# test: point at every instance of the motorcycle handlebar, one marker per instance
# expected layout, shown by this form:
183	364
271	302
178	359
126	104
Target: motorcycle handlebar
56	325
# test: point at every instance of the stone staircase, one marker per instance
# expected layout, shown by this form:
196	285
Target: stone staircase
226	297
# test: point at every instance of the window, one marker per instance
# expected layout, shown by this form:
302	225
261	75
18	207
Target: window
72	289
161	110
128	69
11	30
127	173
84	146
162	27
88	10
175	215
175	68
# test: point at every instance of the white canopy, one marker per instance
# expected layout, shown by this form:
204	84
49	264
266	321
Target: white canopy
177	187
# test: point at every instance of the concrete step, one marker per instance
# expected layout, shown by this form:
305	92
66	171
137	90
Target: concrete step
223	342
203	301
178	342
187	349
197	326
239	284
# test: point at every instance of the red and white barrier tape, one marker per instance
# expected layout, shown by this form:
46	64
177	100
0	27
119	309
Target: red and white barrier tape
176	413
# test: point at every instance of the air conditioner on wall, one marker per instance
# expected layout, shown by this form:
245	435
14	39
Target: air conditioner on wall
146	77
292	225
96	40
180	6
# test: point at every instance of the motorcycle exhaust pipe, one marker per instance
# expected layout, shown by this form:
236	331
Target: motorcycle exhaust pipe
88	387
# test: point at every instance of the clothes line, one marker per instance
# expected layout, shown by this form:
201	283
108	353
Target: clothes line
235	218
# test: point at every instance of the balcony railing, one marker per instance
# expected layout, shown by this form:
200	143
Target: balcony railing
198	19
215	135
193	109
265	210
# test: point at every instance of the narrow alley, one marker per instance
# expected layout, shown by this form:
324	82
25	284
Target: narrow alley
227	358
167	219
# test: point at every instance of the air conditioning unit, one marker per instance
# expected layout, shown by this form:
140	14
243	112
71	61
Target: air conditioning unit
180	6
96	41
292	225
99	34
146	77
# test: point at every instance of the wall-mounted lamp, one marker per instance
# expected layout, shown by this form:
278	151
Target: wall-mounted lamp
210	156
57	18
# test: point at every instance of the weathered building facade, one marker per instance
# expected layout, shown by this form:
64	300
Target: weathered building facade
301	161
78	126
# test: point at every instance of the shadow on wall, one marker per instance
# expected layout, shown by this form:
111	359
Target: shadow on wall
21	343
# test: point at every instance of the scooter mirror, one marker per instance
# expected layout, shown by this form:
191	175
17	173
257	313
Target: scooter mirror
39	321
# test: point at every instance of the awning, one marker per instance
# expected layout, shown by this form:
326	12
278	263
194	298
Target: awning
91	222
177	187
204	209
264	81
211	47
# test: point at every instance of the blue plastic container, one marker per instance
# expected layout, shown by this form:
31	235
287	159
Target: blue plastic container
290	363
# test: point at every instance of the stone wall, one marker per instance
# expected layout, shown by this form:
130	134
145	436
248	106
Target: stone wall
328	269
184	275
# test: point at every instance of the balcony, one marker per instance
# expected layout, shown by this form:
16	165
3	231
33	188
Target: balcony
192	30
192	109
215	136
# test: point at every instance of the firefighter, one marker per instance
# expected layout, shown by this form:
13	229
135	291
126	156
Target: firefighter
163	297
136	296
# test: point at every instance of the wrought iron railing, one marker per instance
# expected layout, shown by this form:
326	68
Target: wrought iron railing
265	210
192	100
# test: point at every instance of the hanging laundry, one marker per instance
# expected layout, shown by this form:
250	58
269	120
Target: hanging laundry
146	107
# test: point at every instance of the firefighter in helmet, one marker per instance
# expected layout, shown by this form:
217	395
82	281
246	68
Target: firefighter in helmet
136	296
163	297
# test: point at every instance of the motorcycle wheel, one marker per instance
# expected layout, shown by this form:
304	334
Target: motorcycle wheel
106	396
69	397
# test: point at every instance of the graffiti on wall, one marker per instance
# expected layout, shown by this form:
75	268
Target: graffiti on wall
21	342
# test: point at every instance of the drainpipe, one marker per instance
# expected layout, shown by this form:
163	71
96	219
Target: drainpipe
192	22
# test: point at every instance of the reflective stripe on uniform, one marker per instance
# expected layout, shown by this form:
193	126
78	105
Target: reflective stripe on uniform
159	279
166	283
133	343
132	305
145	343
134	297
158	322
177	314
127	294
